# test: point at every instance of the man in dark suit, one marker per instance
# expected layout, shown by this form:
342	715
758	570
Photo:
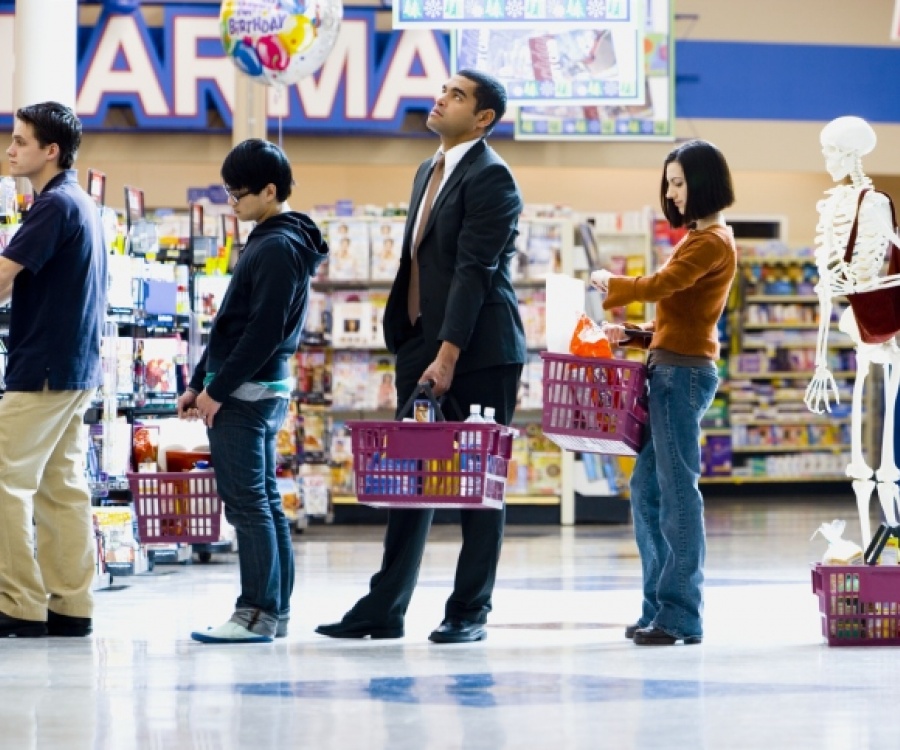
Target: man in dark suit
452	318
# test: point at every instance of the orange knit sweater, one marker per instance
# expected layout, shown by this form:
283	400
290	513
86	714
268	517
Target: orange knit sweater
690	291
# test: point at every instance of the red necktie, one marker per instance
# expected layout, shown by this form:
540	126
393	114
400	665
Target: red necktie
434	182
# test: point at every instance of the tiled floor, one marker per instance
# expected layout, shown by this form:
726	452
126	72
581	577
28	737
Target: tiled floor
555	671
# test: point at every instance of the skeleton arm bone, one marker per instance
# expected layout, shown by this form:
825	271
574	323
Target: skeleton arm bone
822	385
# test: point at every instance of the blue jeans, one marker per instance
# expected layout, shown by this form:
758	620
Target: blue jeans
242	443
666	499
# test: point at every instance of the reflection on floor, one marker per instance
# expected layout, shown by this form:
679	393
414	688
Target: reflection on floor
555	671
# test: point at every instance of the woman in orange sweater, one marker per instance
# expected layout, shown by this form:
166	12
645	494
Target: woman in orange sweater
690	291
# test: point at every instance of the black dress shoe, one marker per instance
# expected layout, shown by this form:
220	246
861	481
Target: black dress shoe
630	630
13	627
458	631
359	629
654	636
66	626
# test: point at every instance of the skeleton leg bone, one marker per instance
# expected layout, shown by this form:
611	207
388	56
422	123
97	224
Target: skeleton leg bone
888	471
858	468
863	489
888	495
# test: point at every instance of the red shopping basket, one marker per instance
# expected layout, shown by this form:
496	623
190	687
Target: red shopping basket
859	604
594	405
431	464
180	507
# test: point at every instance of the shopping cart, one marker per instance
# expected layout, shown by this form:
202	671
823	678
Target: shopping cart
430	464
178	508
594	405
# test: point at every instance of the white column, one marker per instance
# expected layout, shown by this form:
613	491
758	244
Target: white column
249	118
45	49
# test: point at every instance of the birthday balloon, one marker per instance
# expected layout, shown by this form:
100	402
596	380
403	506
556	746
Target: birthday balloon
279	41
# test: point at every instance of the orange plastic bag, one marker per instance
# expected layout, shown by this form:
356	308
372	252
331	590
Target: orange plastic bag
588	340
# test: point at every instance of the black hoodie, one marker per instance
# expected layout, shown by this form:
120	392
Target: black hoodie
258	325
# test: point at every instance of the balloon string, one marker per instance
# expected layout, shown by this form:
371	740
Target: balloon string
279	94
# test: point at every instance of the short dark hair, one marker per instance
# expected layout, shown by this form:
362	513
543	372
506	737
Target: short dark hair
255	163
489	94
53	122
708	180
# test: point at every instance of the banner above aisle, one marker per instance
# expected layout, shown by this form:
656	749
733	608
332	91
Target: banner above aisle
176	76
521	14
167	71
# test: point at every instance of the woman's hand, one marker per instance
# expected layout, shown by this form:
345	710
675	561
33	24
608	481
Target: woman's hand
614	333
600	280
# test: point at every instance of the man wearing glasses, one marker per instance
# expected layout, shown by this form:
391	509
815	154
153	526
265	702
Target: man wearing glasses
242	384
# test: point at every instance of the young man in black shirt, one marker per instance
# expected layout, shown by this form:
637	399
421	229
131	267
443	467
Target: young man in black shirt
241	386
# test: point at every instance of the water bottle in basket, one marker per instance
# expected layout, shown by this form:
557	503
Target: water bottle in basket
470	454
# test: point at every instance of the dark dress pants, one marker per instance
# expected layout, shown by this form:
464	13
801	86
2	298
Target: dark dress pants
391	588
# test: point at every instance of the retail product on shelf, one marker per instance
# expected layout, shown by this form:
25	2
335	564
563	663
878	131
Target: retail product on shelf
382	376
349	243
351	314
119	551
350	378
533	310
387	244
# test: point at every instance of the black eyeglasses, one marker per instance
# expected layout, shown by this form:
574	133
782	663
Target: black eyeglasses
233	195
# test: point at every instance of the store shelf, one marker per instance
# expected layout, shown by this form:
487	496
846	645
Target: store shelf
838	448
787	298
788	422
767	440
773	478
788	374
510	500
848	344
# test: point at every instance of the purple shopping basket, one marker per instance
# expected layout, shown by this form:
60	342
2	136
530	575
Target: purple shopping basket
431	464
859	604
594	405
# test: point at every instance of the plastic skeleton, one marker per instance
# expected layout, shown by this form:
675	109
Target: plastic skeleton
844	142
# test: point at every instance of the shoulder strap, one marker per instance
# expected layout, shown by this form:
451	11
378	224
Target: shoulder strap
854	230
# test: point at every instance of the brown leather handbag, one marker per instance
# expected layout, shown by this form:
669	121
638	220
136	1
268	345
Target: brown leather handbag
877	311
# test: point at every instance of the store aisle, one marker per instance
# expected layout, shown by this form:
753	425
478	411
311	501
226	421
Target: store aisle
555	671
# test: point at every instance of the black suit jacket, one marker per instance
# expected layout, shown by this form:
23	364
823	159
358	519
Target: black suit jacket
466	289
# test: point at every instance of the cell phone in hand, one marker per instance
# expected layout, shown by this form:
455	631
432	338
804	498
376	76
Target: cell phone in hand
636	334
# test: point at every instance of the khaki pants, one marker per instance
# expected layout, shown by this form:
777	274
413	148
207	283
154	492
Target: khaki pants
42	478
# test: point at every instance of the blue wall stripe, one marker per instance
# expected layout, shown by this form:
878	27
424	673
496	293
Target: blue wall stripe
753	81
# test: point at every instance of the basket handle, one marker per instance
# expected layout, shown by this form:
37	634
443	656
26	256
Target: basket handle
421	388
